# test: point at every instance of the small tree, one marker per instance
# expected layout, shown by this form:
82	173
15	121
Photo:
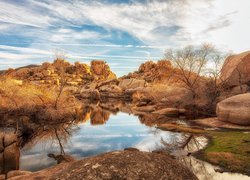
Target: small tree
190	63
62	77
214	84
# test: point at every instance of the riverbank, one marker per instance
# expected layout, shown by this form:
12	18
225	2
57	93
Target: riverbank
229	150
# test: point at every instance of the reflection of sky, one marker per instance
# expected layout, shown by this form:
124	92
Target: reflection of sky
120	131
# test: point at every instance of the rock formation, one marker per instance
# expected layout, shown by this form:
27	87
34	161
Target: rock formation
129	164
62	71
236	70
235	109
150	71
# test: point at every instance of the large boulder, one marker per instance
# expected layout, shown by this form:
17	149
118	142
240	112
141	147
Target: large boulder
129	164
235	109
236	70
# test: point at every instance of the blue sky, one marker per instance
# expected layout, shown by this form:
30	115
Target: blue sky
124	33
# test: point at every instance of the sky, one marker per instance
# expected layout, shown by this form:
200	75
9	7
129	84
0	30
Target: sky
124	33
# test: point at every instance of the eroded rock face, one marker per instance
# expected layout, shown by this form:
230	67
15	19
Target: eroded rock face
235	109
118	165
236	70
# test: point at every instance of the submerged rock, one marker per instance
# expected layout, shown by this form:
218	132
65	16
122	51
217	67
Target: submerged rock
235	109
118	165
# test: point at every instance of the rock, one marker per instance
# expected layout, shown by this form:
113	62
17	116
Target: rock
110	89
131	83
167	111
90	94
144	108
101	70
46	73
118	165
131	149
235	109
11	156
235	70
16	173
2	177
61	158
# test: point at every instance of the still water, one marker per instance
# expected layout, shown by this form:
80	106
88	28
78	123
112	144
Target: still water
87	139
99	131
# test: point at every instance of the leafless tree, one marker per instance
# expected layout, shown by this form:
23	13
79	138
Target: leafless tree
191	63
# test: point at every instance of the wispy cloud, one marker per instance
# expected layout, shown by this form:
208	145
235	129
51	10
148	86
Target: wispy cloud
118	31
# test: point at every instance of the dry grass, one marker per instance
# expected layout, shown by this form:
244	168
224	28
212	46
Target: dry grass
229	150
39	100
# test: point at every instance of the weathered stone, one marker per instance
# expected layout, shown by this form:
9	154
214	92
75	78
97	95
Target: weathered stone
167	111
11	157
144	108
131	83
235	70
235	109
16	173
118	165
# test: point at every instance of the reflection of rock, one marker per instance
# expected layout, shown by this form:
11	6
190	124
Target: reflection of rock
90	94
99	116
154	119
9	152
235	109
118	165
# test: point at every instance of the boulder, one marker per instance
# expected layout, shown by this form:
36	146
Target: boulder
235	109
118	165
167	111
235	70
132	83
144	108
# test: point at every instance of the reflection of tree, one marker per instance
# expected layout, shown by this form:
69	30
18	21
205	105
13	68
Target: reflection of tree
188	143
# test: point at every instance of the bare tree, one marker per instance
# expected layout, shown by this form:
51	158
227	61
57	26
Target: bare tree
62	77
191	63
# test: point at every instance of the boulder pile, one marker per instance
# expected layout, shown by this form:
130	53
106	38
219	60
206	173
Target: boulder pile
62	71
160	71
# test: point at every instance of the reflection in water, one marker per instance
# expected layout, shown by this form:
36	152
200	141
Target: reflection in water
189	143
9	151
98	128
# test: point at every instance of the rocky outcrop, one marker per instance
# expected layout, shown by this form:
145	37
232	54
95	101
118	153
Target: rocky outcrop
160	72
129	164
235	71
62	71
235	109
9	151
101	70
